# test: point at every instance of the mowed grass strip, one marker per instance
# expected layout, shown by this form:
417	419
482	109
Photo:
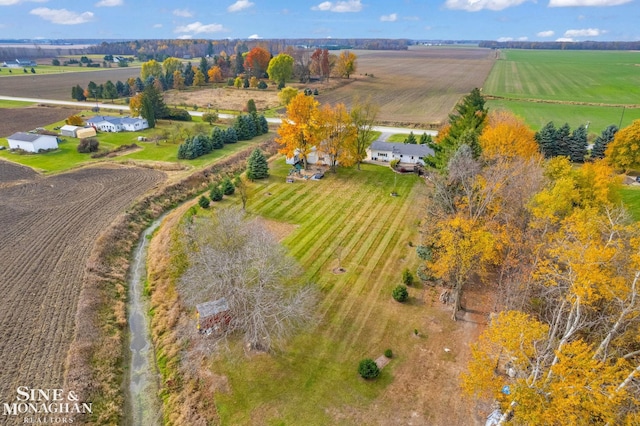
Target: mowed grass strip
598	77
314	378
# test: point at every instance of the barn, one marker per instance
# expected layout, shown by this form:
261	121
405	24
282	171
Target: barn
213	316
32	142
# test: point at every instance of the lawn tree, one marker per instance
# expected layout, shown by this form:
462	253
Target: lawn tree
280	69
241	187
160	109
150	68
135	105
171	65
347	64
363	116
338	134
204	68
199	78
320	64
215	74
285	95
602	141
257	165
624	151
301	130
507	136
578	144
242	262
257	61
210	117
178	80
74	120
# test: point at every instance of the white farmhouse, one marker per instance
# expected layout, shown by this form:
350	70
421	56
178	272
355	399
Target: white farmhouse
32	142
117	124
405	152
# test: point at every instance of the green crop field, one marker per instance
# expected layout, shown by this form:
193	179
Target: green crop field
596	77
315	377
575	87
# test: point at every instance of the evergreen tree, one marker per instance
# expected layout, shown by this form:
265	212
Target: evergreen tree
264	125
425	139
251	106
602	141
546	138
469	120
578	145
257	165
204	68
216	193
203	202
411	139
563	141
188	74
160	109
147	111
217	138
230	135
227	186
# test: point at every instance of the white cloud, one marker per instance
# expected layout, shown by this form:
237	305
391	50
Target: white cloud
565	39
254	37
157	25
476	5
199	27
240	5
503	39
389	18
339	6
185	37
183	13
587	32
62	16
12	2
109	3
549	33
572	3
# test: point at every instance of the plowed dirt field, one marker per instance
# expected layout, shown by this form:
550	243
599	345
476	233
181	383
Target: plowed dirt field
48	226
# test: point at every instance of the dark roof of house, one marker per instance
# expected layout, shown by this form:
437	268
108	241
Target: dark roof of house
25	137
402	148
212	308
101	118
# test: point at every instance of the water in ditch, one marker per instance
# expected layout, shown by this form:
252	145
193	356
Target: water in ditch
144	403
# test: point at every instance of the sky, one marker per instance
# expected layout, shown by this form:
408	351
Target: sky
501	20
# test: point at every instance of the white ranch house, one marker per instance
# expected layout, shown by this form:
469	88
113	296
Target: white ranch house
32	142
314	157
405	152
117	124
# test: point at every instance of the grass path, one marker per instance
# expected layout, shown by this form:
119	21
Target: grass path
314	379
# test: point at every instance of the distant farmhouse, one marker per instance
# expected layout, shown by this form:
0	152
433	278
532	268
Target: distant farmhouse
32	142
405	152
117	124
19	63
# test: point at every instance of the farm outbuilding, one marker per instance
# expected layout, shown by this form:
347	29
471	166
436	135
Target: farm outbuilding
85	132
69	130
213	316
32	142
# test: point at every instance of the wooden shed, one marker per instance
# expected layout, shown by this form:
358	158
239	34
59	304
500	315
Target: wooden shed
213	317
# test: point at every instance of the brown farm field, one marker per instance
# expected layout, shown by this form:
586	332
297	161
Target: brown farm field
58	86
25	119
48	227
419	86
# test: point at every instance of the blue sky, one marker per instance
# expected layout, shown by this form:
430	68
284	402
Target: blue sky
535	20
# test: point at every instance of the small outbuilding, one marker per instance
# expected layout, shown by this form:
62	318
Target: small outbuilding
32	142
213	317
69	130
86	132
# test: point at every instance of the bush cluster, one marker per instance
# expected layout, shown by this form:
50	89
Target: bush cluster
368	369
88	145
400	294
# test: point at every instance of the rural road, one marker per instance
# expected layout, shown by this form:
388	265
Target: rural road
88	104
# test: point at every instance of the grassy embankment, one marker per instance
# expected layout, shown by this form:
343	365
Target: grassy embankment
575	87
316	376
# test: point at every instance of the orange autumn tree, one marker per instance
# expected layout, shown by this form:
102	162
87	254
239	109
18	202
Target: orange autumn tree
215	74
135	105
508	136
301	130
257	61
338	134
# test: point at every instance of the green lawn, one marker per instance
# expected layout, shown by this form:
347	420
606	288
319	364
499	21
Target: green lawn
14	104
316	375
537	114
599	77
631	198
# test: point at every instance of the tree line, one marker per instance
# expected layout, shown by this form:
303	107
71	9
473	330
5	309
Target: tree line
552	239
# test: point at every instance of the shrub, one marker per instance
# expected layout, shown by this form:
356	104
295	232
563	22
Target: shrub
424	252
407	277
215	193
88	145
262	85
388	353
203	202
178	115
400	293
394	163
368	369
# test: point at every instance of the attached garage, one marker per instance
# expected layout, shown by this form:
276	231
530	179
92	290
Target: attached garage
32	142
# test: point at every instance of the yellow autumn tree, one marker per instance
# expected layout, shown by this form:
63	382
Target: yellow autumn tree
508	136
301	130
624	151
338	133
215	74
135	105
